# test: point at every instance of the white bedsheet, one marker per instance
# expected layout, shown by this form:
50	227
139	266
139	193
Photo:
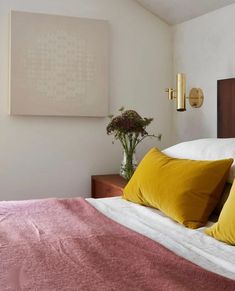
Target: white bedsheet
193	245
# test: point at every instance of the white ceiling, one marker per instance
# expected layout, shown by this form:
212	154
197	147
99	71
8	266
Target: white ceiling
177	11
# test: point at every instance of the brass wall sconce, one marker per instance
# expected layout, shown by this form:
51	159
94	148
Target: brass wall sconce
196	96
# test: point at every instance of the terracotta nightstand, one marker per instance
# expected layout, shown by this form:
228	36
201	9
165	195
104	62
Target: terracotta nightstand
103	186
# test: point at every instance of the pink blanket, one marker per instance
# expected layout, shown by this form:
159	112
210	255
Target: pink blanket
68	245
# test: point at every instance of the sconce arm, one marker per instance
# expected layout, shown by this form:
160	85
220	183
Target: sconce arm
171	93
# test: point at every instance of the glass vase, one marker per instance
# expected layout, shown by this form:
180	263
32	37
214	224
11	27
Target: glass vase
128	165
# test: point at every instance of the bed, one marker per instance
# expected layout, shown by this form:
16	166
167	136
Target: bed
106	244
69	244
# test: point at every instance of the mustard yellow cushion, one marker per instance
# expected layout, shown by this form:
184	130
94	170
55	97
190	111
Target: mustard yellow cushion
224	229
185	190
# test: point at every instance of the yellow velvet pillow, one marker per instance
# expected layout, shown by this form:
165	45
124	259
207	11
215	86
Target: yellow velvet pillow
224	229
186	190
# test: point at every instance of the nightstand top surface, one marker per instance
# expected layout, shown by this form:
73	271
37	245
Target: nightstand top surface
114	179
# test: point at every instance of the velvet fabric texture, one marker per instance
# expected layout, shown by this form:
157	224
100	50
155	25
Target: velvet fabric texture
185	190
224	229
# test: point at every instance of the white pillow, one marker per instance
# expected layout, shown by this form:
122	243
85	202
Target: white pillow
205	149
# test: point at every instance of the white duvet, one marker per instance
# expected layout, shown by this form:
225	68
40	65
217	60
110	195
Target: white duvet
193	245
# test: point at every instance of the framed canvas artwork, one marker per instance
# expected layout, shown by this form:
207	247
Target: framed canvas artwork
58	65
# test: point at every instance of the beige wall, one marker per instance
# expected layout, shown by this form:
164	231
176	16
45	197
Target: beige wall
204	49
51	156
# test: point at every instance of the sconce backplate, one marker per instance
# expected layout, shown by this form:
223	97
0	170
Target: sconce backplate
196	97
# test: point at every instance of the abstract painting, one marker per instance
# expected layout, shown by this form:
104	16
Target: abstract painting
58	65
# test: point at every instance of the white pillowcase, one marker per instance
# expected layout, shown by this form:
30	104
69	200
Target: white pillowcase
205	149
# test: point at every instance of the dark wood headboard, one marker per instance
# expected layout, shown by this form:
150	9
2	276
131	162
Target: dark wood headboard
226	108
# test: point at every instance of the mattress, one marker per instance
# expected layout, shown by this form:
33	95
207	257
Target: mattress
191	244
